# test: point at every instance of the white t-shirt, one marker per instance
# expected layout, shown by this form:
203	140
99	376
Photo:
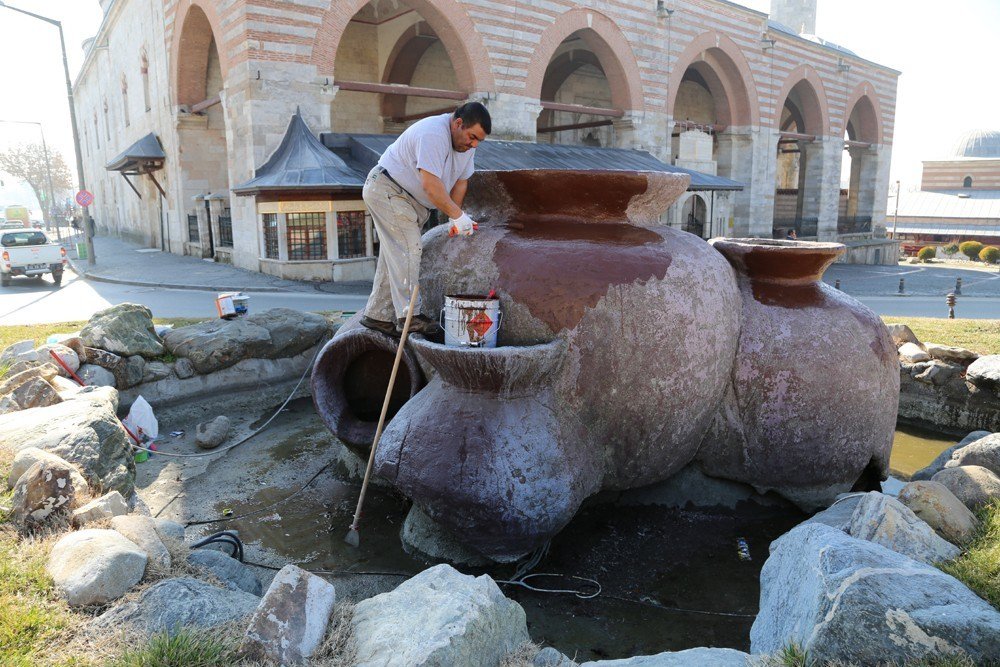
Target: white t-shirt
427	145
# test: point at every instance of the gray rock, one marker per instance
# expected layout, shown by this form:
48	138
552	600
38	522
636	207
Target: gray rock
984	373
8	405
12	382
839	514
217	344
95	566
184	369
142	531
157	370
171	604
941	510
973	485
694	657
937	373
937	465
135	369
26	458
42	356
84	431
107	506
955	355
886	521
291	331
550	657
424	539
984	452
439	617
13	351
210	435
168	530
96	376
124	329
109	361
912	353
46	488
902	334
233	574
290	623
35	393
845	599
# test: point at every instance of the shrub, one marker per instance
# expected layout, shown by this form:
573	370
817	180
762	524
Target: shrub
188	647
990	254
927	253
950	249
971	249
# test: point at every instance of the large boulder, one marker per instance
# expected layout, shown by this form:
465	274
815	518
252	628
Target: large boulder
984	373
107	506
693	657
13	351
26	458
156	370
84	431
973	485
291	331
217	344
211	434
97	376
290	623
43	355
172	604
845	599
912	353
940	509
142	531
902	334
884	520
984	452
955	355
95	566
125	329
439	617
233	574
937	465
11	382
43	490
35	393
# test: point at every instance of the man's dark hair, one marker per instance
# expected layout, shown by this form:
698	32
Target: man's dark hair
474	113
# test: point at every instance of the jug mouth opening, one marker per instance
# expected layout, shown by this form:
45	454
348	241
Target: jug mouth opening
779	260
785	245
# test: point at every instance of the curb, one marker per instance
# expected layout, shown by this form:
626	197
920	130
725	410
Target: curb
96	277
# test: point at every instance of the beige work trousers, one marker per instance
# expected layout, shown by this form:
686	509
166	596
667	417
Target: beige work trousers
398	218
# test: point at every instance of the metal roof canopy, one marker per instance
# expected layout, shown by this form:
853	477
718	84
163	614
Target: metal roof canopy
301	162
143	157
364	151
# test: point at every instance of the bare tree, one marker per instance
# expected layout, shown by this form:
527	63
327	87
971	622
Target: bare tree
27	163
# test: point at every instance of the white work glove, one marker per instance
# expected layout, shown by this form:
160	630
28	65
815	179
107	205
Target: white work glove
462	225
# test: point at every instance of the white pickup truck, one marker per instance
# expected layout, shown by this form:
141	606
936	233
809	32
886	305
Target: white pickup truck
30	253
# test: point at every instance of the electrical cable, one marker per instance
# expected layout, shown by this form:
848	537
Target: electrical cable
649	602
223	537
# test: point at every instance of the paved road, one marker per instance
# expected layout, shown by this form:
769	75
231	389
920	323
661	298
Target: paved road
39	301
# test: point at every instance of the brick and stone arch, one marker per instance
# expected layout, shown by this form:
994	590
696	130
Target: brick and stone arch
715	63
605	41
863	125
192	45
446	18
864	117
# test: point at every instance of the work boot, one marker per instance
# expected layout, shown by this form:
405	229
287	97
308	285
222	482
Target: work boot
388	328
421	324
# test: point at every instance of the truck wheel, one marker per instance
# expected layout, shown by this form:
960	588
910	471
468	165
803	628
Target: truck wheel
57	278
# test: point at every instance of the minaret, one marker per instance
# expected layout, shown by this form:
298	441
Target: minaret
799	15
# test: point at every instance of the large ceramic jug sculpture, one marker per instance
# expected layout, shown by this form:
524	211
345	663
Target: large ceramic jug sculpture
618	347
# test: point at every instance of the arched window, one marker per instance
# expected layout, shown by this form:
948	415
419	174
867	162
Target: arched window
144	71
967	183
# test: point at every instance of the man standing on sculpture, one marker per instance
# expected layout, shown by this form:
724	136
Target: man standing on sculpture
427	167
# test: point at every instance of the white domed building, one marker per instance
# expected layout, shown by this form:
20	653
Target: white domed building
959	197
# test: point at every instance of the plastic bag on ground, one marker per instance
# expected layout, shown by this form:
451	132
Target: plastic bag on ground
141	421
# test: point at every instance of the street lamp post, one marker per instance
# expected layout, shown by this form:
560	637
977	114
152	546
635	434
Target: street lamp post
72	116
48	168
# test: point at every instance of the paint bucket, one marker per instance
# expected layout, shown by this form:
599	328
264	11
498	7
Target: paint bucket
232	304
471	320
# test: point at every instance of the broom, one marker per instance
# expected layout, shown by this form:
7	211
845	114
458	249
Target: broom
352	537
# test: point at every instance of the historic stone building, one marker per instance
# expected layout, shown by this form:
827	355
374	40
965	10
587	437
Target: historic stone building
707	85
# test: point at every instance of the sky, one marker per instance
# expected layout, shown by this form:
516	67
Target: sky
946	52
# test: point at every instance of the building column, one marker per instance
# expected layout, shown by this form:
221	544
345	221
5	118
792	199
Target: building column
821	195
879	182
756	168
283	237
332	241
514	117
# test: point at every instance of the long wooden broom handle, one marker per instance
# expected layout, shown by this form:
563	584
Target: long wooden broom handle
385	405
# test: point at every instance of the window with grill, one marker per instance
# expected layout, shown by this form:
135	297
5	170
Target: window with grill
193	235
351	239
226	231
270	221
306	235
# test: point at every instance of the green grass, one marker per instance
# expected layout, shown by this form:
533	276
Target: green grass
979	567
188	648
982	336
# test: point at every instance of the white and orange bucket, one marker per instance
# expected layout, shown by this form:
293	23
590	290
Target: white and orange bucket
471	320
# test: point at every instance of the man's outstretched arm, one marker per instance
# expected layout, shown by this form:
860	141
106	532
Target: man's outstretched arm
442	200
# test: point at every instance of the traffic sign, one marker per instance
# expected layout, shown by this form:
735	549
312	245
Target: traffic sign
84	198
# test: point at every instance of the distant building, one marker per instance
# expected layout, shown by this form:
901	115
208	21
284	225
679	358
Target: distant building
706	85
959	197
